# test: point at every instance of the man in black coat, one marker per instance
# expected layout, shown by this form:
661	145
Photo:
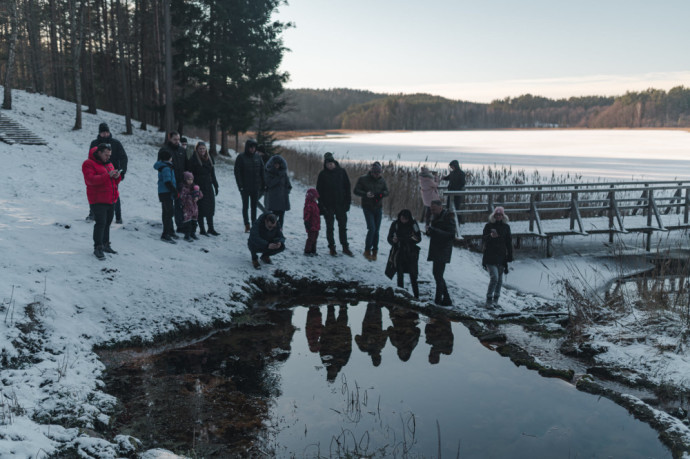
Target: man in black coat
118	158
456	182
335	198
441	231
179	160
249	175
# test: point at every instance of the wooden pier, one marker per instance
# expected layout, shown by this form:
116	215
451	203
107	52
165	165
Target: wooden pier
545	211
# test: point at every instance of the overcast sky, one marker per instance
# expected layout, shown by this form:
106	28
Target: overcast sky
480	50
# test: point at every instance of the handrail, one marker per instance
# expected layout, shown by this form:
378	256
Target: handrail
574	184
506	190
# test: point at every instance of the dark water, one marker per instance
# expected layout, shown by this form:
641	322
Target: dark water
369	380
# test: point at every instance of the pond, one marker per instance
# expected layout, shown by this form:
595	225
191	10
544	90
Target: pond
361	379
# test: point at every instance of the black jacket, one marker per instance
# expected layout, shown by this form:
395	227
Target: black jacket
497	250
118	157
249	172
205	177
376	185
405	252
441	234
456	178
335	191
260	236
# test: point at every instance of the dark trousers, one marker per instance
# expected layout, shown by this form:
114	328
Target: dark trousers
413	282
249	198
330	215
118	209
179	215
103	217
281	216
189	227
267	252
168	209
310	246
438	269
373	219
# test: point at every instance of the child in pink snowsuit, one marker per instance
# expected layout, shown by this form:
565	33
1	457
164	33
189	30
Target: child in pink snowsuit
312	221
189	195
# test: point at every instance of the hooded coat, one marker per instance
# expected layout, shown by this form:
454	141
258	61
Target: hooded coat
335	191
179	160
404	252
428	183
497	250
456	178
277	197
190	209
441	235
166	177
100	188
249	172
312	215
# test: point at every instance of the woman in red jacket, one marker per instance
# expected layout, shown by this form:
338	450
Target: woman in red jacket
101	180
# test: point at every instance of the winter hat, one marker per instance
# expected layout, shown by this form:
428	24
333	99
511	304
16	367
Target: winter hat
103	127
188	175
312	194
183	139
376	167
328	157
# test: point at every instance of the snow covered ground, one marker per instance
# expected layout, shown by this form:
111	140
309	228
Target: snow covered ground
57	301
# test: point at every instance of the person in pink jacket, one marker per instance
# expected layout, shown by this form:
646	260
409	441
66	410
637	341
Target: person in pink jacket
428	182
312	221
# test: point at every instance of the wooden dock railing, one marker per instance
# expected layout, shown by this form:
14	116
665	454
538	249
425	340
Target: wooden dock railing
545	207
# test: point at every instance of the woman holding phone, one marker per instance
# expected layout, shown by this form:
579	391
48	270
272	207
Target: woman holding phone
498	252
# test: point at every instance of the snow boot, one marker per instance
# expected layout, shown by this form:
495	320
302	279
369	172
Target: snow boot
98	252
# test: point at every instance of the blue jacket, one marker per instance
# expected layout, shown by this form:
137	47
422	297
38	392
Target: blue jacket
166	173
260	236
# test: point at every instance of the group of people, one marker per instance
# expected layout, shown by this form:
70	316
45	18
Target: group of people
187	187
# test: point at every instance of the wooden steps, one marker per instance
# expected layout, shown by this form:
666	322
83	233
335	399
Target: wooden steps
12	132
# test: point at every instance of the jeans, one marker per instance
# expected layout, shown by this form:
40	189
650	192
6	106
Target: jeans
247	197
330	215
103	217
373	219
438	269
495	281
280	214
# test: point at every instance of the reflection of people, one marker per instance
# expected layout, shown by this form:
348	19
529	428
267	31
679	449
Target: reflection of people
441	232
336	342
403	236
265	238
314	328
373	337
404	334
498	251
372	189
440	336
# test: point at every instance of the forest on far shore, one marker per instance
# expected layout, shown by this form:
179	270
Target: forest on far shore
356	109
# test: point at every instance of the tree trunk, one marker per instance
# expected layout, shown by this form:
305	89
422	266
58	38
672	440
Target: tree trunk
122	35
75	12
224	142
33	29
7	97
169	114
212	135
90	80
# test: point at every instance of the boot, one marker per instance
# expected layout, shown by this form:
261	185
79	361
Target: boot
332	251
346	251
266	259
256	264
202	228
98	252
188	237
367	254
211	230
373	255
108	248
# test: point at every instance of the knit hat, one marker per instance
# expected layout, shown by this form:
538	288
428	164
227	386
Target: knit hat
188	175
328	157
103	127
183	139
376	167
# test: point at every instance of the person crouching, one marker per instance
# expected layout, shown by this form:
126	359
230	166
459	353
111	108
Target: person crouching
189	195
312	221
266	238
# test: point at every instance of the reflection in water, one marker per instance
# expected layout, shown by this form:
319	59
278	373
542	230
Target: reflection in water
373	337
256	390
404	334
440	336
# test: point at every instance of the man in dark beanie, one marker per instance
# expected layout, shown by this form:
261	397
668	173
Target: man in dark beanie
335	198
118	159
179	160
249	175
372	189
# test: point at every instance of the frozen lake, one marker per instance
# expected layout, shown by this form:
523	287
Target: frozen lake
609	154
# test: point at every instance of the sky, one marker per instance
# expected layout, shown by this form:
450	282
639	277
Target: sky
481	51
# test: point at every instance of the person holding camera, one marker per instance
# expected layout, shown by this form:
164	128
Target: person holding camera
118	158
441	232
101	180
498	252
266	238
372	189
